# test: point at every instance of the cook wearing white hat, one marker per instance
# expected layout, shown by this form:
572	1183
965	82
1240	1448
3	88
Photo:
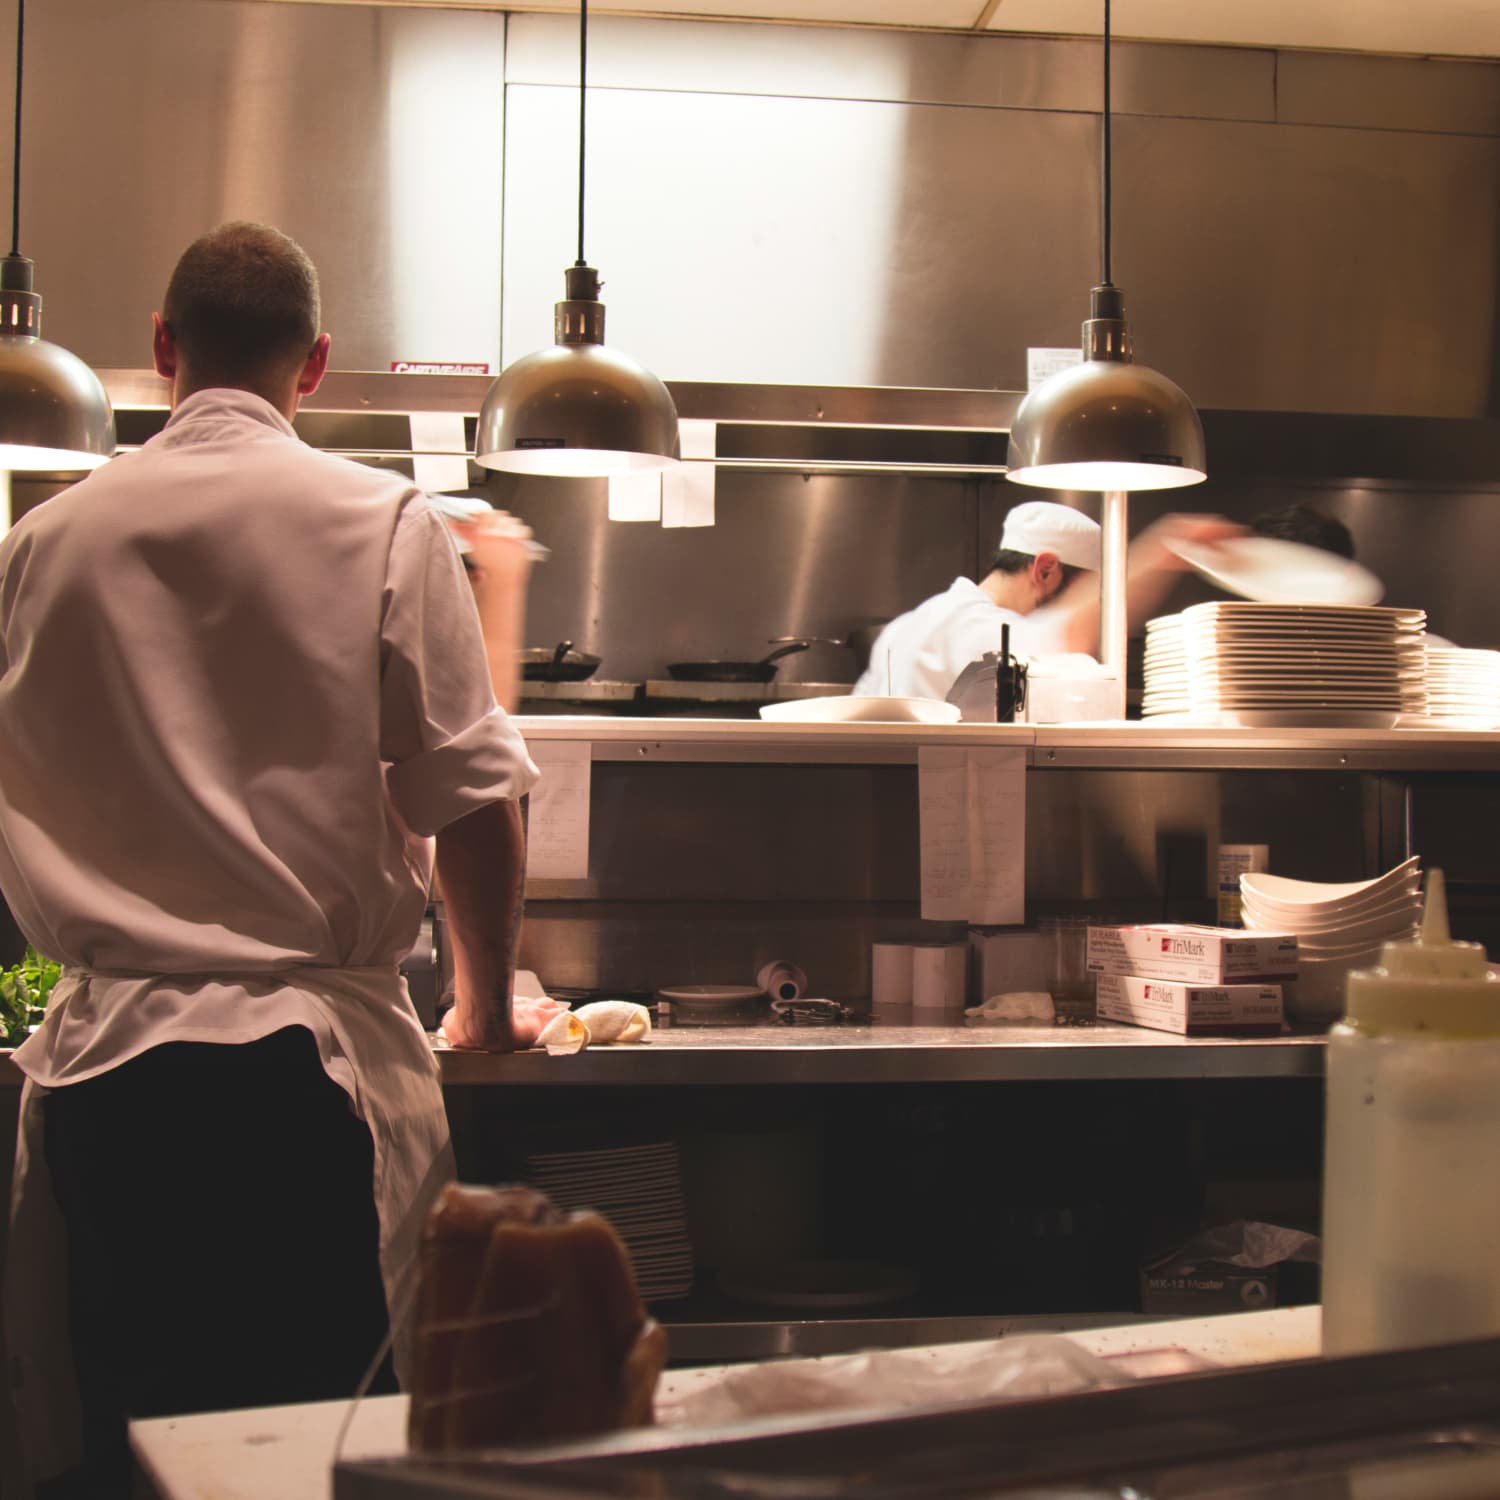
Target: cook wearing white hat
1041	526
1042	584
1043	548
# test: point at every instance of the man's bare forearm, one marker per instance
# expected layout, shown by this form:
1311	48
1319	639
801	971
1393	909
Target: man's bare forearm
481	871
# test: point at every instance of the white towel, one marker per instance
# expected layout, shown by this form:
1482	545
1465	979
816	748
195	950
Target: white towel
603	1022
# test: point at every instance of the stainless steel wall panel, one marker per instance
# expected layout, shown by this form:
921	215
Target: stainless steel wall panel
1323	88
793	240
371	134
789	556
1206	83
1018	72
821	62
1300	269
699	874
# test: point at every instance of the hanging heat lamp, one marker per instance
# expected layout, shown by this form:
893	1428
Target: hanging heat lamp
54	413
1108	423
577	409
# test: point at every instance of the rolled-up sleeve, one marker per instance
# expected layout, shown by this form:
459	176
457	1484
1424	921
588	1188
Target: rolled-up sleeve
449	748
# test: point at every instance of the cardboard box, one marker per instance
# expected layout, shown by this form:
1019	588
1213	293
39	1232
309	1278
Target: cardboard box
1191	1009
1200	1291
1193	955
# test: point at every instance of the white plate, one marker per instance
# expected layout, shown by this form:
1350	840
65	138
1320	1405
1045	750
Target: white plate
845	708
1283	889
1371	616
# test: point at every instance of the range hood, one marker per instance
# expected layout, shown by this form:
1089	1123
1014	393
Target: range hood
877	429
847	429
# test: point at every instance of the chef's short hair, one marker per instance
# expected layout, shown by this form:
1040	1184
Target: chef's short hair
1008	560
243	301
1301	523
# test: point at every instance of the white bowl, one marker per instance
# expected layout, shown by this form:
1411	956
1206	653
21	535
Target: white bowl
1317	895
1355	947
1372	923
1319	966
845	708
1295	918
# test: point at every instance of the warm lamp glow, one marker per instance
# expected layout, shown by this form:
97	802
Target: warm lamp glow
18	458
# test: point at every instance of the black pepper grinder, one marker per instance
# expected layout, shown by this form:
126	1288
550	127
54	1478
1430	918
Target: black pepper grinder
1010	682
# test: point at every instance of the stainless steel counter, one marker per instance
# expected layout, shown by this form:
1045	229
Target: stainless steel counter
1119	745
684	1056
716	1055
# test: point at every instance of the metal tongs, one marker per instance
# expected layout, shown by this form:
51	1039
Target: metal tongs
1010	682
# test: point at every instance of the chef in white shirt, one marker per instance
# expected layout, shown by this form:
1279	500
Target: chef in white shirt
1043	549
244	703
1043	582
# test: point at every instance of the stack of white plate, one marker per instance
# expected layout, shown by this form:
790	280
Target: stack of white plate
638	1189
1463	687
1339	926
1166	670
1287	665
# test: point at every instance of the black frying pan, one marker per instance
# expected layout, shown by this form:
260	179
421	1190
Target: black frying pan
560	663
735	671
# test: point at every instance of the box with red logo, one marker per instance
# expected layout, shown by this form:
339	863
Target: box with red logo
1194	955
1191	1009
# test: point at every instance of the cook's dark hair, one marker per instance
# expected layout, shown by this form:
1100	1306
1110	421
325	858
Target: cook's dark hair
1301	523
243	302
1008	560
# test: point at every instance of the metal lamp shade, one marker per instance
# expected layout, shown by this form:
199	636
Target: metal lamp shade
576	410
54	413
1107	424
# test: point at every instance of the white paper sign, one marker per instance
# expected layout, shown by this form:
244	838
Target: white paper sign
440	458
1042	364
687	494
557	825
972	806
635	496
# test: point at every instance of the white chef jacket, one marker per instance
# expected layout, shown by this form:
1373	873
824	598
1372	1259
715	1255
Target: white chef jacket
242	683
926	648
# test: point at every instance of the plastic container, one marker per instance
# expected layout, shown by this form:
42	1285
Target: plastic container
1411	1206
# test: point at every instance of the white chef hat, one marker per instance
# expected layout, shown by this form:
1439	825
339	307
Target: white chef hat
1044	526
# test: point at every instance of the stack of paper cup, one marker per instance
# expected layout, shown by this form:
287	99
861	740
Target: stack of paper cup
890	976
939	978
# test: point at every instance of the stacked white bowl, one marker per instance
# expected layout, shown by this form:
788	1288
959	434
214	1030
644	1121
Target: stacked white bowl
1339	927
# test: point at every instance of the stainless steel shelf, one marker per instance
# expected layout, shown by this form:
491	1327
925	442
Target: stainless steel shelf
1049	747
713	1056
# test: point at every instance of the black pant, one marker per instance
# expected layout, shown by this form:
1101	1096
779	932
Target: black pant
222	1236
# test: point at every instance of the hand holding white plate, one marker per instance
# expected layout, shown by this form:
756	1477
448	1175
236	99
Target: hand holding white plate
1277	572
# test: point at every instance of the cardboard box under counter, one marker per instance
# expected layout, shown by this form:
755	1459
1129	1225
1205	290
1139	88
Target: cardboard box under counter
1193	955
1191	1009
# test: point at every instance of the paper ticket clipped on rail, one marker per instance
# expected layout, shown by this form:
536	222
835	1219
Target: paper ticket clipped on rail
972	807
557	824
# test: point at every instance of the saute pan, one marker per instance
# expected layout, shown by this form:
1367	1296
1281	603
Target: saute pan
736	671
560	663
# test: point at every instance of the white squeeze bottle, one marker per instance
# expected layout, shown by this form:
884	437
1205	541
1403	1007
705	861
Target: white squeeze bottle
1411	1170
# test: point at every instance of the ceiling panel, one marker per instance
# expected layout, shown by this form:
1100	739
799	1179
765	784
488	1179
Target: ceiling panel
1466	28
1426	28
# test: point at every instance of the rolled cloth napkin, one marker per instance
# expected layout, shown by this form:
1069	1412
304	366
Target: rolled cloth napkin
1019	1005
601	1022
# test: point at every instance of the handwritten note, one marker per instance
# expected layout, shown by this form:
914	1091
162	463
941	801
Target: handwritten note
557	826
439	451
972	805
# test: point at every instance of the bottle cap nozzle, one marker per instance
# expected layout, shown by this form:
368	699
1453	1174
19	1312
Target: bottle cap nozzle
1432	984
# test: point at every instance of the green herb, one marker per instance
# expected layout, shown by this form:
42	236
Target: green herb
24	988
